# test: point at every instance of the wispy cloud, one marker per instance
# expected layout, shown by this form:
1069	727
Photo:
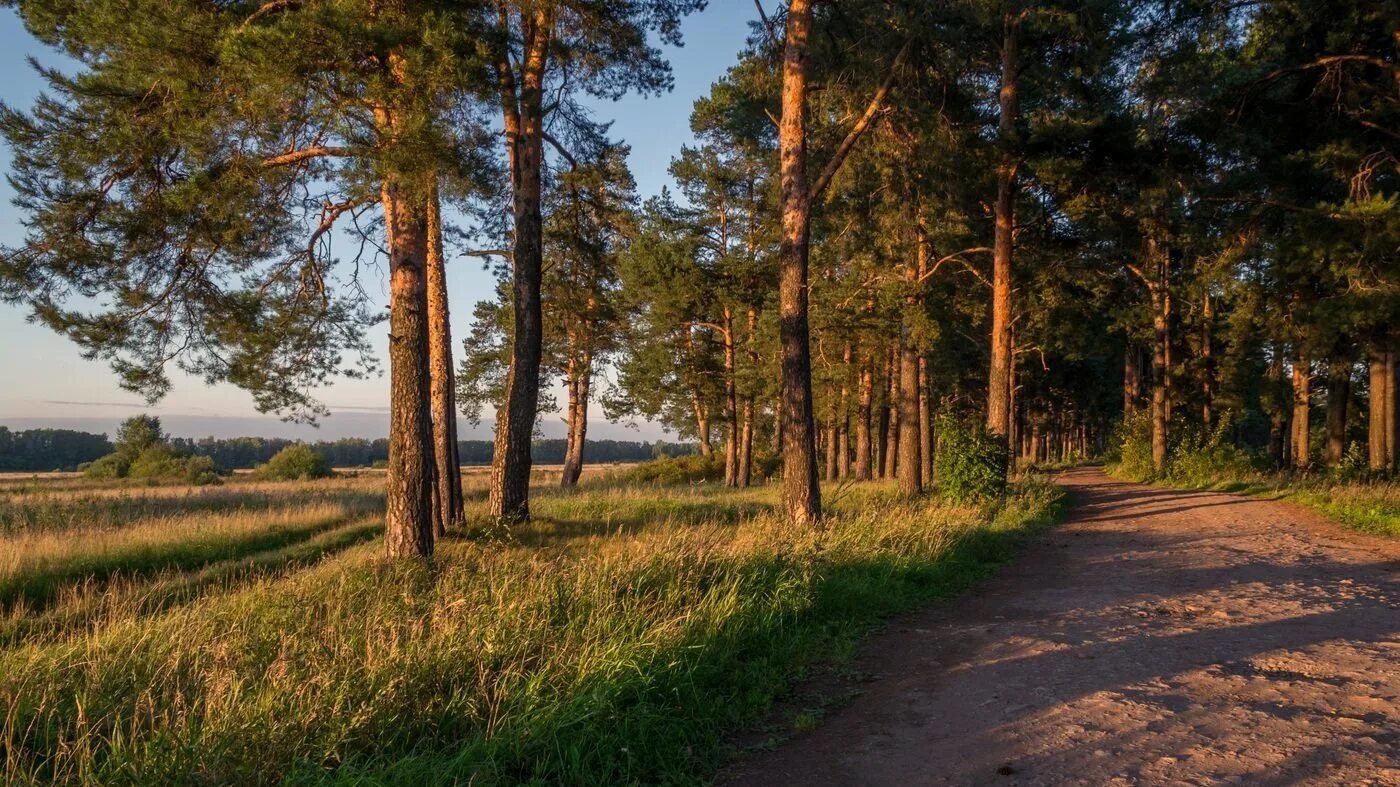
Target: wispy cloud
140	405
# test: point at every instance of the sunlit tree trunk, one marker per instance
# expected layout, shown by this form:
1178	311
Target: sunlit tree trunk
910	465
998	381
1381	412
843	447
1302	408
891	451
925	424
865	395
408	516
801	493
448	505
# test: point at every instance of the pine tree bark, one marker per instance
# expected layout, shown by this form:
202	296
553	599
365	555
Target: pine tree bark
998	381
408	516
1338	392
1132	378
891	450
509	497
746	445
910	464
1278	420
925	425
1161	320
832	439
1207	359
448	472
1302	408
801	492
731	402
579	391
843	447
1381	411
864	403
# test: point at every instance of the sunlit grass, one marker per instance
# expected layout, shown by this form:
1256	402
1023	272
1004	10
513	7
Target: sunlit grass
621	637
1366	506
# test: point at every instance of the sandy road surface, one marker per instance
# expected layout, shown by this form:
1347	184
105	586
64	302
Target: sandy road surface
1158	637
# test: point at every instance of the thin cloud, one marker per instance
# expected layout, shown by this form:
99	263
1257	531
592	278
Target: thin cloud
94	404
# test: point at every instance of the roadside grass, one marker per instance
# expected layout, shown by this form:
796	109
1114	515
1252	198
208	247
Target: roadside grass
1371	507
622	637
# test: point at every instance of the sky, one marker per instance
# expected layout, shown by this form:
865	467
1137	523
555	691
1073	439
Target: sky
45	381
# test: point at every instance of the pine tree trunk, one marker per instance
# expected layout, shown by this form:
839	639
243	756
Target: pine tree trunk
1381	411
746	445
1207	360
578	419
408	515
1302	407
1132	378
1161	392
892	426
830	446
865	399
448	472
911	463
515	421
843	447
1338	392
801	493
925	425
1278	420
998	381
702	425
731	404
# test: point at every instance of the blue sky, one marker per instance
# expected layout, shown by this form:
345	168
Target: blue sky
46	381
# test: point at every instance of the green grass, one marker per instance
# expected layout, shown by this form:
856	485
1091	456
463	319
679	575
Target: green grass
1365	506
623	637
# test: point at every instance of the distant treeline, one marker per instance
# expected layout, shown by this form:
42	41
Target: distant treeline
43	450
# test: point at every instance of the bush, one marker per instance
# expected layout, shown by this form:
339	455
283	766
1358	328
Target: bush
163	463
1201	457
1135	446
109	466
676	470
296	462
971	463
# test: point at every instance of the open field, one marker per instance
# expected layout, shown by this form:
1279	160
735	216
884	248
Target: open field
249	632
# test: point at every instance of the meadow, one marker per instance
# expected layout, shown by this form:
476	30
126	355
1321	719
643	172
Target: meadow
253	633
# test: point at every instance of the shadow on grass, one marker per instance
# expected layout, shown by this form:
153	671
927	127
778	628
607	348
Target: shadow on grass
673	717
173	589
37	585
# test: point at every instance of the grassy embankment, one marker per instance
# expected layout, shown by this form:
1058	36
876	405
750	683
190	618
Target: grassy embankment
251	633
1367	506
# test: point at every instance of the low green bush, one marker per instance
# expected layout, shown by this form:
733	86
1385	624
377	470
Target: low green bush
676	470
296	462
971	462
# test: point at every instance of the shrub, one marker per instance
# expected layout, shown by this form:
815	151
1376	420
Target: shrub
971	463
163	463
1199	457
676	470
109	466
296	462
1135	446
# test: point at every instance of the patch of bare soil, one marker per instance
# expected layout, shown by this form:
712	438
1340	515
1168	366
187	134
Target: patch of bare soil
1157	637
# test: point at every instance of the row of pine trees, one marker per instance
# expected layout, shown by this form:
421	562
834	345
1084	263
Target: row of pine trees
1043	217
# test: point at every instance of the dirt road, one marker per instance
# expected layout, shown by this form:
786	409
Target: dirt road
1158	637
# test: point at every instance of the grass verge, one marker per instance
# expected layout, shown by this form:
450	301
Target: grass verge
1367	507
614	654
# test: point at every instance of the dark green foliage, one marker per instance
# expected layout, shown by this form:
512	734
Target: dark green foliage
296	462
970	463
42	450
143	452
677	470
